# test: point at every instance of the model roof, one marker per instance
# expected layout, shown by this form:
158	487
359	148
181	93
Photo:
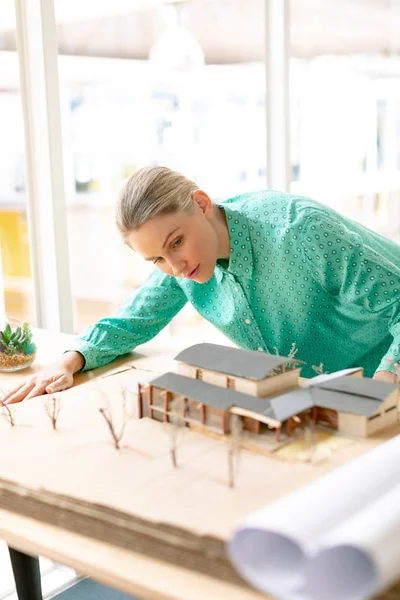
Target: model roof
233	361
356	405
360	386
292	403
212	395
360	396
195	390
329	376
356	395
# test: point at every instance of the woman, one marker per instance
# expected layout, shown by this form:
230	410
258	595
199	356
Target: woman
268	269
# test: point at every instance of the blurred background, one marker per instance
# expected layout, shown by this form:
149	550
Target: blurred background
183	84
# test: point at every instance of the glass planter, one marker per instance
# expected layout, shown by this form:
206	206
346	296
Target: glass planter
17	348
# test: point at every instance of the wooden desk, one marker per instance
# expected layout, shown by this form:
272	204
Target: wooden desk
122	569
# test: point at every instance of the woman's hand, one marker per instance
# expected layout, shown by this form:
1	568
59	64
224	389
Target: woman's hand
54	378
385	376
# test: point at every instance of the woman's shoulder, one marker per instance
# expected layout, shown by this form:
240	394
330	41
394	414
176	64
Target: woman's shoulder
274	206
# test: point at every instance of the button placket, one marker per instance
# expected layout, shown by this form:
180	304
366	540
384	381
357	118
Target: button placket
248	326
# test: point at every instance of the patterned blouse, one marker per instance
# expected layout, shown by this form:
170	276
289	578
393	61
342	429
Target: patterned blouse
298	273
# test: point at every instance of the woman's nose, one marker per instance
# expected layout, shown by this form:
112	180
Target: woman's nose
178	267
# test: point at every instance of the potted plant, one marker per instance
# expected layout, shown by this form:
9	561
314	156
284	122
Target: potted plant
17	349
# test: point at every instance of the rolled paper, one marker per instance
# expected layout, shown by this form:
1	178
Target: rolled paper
361	557
271	548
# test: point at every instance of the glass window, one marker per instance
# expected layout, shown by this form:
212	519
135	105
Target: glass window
16	294
195	106
345	109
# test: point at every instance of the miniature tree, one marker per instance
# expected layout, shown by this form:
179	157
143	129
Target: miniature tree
292	353
176	422
53	408
8	414
309	435
320	369
234	448
117	432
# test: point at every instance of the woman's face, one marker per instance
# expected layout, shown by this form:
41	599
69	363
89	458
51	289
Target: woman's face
180	244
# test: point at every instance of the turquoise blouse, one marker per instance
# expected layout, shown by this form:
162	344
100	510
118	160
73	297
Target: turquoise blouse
298	272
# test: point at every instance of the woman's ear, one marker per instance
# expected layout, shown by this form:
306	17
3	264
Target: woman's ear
204	202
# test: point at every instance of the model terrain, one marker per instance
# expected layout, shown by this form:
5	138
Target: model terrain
180	481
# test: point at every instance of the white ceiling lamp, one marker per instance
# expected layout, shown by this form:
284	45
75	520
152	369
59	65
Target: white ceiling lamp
177	48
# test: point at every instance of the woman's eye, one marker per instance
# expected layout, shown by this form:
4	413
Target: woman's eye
157	260
178	242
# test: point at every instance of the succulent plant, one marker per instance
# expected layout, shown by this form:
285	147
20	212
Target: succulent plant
17	340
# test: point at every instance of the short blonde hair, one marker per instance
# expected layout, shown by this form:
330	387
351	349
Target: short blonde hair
150	192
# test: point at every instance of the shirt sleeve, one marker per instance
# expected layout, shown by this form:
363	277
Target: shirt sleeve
358	269
137	321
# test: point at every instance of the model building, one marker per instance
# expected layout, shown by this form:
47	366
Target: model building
219	382
254	373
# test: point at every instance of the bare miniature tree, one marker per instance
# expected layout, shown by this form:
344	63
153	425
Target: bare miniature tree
6	411
292	353
53	408
234	448
320	369
117	433
116	436
305	431
309	435
8	414
176	423
116	429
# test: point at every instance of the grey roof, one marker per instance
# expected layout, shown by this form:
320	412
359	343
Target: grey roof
212	395
292	403
329	376
356	395
356	405
359	386
261	406
232	361
195	390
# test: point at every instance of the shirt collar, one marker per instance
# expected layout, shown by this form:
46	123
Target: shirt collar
241	256
218	273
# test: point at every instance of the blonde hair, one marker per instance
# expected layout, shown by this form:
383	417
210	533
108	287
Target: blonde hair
150	192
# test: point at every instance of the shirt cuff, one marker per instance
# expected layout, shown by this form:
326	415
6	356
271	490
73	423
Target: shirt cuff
392	357
89	353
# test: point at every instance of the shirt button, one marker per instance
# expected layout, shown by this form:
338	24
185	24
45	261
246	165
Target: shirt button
260	349
236	289
247	321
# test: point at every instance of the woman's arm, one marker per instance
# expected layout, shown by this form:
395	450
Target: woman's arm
137	321
140	318
385	376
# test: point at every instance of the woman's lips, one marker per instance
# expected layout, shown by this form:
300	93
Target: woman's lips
193	273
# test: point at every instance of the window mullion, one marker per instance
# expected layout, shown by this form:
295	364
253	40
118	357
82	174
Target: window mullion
37	49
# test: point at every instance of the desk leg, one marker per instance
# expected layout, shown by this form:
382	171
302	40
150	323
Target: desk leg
26	574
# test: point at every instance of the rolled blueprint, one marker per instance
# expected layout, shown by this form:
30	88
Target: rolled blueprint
361	557
271	547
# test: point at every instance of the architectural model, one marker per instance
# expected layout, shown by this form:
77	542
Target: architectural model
215	382
134	497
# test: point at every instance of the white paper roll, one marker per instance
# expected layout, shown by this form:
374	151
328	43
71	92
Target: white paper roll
361	557
270	549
